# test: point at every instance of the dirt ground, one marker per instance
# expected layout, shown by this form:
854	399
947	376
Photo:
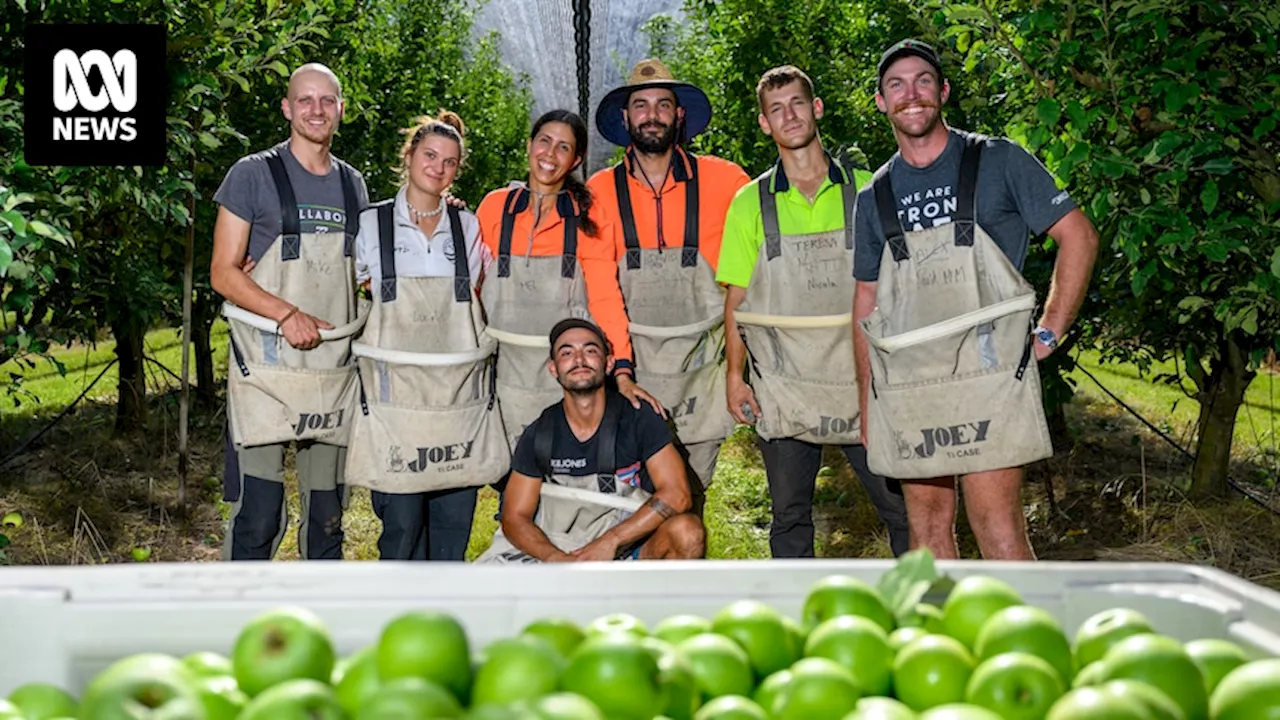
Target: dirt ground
88	496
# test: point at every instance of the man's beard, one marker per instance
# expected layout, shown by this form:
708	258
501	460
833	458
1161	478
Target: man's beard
320	134
582	386
798	144
653	145
928	126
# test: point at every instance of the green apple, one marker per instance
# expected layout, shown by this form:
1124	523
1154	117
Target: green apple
221	698
1015	685
760	630
140	686
426	644
564	706
286	643
899	638
1162	662
931	671
731	707
360	680
1215	658
513	669
924	615
42	701
820	689
9	711
972	602
298	699
618	674
1100	631
859	645
880	708
1091	703
720	666
1250	692
564	634
410	697
1157	704
959	711
837	595
676	679
618	622
1027	629
799	636
679	628
208	664
1090	674
516	711
769	689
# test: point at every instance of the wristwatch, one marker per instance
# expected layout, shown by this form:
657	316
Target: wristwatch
1046	337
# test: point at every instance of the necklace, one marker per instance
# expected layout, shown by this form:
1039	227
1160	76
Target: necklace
418	215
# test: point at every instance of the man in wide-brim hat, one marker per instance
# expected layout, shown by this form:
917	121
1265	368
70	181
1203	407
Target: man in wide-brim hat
670	206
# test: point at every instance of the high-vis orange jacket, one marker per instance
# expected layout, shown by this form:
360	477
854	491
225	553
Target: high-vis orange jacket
595	255
661	217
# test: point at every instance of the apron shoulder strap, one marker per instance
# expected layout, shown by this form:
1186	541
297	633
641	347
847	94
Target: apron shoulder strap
544	435
769	216
569	254
886	207
606	449
689	254
290	225
387	250
517	200
461	271
967	190
351	206
848	196
630	236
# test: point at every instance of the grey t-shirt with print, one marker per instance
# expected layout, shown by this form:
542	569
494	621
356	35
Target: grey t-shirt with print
1017	198
250	193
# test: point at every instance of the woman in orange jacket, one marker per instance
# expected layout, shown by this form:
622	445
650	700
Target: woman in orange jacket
553	258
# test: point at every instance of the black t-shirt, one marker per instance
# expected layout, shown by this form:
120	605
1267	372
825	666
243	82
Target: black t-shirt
641	434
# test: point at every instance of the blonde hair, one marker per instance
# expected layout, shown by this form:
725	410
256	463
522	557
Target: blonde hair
446	124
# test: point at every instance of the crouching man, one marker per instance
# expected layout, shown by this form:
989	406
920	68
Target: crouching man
594	478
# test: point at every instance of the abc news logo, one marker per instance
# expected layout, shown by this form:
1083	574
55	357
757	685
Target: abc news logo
95	95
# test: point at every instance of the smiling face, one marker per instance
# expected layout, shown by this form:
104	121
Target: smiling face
651	117
912	95
433	164
790	115
579	361
552	154
313	106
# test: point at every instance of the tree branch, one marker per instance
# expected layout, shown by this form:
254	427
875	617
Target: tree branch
1005	40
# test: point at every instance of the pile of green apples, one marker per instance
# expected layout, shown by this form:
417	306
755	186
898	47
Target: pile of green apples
981	654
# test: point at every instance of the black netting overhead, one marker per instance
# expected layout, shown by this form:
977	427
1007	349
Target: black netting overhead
550	39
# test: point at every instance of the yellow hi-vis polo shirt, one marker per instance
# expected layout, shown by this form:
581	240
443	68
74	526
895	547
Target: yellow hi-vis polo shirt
744	229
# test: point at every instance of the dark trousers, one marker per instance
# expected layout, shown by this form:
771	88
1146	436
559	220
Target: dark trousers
425	526
254	485
792	469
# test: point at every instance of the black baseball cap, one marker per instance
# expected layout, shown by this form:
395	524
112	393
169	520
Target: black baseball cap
568	324
903	48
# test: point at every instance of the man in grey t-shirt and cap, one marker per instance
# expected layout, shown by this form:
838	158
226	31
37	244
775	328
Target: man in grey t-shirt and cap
1007	197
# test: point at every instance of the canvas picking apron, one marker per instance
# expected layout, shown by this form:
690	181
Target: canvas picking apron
955	388
275	392
676	311
526	297
573	511
428	418
796	320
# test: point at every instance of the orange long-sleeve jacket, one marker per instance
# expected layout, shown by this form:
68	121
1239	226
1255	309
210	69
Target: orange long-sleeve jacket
595	256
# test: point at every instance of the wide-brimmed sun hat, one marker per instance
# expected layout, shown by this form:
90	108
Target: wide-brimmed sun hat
647	74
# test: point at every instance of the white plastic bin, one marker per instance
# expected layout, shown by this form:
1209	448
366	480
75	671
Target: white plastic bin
63	625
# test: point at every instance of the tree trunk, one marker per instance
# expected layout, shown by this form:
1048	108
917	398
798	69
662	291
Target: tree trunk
131	407
202	344
1220	395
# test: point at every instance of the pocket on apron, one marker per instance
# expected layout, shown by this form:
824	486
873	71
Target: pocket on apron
695	399
275	404
965	400
805	384
410	450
